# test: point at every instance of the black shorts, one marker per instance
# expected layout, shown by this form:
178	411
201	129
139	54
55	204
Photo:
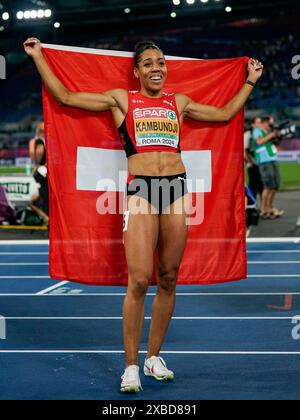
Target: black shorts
160	191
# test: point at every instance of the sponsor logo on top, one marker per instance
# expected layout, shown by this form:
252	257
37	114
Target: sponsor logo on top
160	113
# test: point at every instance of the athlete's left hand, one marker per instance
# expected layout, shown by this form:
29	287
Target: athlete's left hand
255	70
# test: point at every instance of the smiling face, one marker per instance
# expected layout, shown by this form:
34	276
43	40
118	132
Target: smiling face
151	71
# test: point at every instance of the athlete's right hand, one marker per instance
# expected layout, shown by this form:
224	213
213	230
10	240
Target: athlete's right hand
33	47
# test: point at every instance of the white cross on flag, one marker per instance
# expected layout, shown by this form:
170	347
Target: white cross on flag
84	152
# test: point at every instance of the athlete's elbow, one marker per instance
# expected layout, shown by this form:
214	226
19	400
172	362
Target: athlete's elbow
60	101
226	117
64	98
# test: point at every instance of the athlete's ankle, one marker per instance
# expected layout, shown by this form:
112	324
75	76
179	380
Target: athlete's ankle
131	363
150	354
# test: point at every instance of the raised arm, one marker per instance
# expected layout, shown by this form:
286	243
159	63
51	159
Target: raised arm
208	113
105	101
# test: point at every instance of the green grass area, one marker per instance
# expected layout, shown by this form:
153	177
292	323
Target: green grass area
290	175
10	170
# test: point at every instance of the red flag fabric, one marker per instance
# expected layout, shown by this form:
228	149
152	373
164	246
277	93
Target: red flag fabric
83	147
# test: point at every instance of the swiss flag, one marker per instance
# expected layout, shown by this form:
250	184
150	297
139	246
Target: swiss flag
84	151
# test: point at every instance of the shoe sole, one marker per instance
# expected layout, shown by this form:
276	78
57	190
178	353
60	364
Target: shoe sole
131	389
169	377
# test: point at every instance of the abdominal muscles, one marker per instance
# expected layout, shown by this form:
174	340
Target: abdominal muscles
156	164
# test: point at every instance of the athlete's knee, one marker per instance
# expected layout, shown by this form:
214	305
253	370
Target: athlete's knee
138	283
167	280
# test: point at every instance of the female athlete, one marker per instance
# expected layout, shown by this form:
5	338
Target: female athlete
149	124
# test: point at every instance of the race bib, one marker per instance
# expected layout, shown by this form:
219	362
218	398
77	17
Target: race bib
156	127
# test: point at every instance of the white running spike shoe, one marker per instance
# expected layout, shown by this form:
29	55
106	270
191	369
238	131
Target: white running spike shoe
131	380
157	368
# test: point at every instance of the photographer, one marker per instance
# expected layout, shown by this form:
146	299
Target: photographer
255	182
265	153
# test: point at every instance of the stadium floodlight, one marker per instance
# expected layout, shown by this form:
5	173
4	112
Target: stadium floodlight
228	9
56	25
176	2
33	14
48	13
127	10
190	1
5	16
173	15
204	1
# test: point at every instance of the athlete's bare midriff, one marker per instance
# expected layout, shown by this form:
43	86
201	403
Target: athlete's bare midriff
156	164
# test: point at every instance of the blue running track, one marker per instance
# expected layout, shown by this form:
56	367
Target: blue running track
229	341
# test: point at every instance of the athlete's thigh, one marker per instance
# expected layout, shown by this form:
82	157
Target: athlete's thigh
173	232
140	239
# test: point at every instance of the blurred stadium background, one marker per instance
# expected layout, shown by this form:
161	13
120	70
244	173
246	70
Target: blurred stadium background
268	30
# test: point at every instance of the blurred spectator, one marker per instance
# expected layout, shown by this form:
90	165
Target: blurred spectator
39	155
265	153
255	182
7	212
39	134
39	202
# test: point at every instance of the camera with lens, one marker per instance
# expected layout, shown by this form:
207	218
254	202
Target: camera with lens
284	130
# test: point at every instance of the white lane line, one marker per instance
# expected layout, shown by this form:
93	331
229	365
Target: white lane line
273	240
70	294
184	352
295	240
25	242
24	277
254	276
22	264
278	251
270	262
252	251
119	318
24	253
267	251
49	289
249	277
